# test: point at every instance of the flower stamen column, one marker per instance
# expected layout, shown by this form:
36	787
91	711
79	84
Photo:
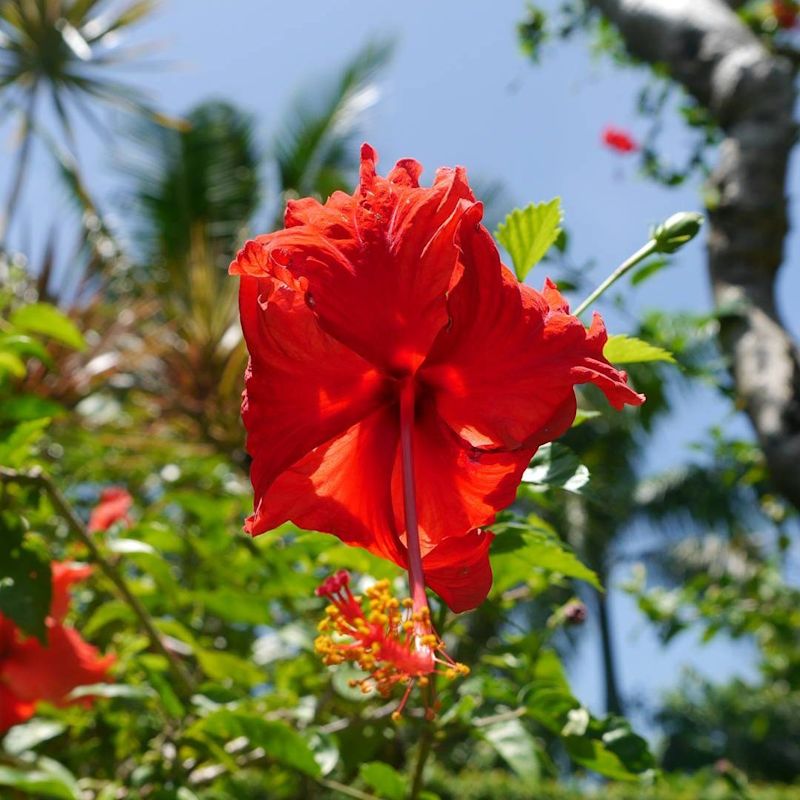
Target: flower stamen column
416	578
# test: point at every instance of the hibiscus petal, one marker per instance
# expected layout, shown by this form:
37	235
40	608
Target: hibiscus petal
115	503
458	487
34	672
378	264
302	386
510	358
13	709
342	487
458	570
64	575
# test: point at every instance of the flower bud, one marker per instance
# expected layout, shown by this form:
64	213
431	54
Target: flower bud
575	613
676	231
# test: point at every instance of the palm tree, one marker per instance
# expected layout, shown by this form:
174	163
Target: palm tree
195	193
65	51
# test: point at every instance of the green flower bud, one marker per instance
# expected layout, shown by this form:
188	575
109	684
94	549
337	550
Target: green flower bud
675	232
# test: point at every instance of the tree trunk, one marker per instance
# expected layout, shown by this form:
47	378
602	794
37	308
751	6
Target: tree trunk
612	695
750	92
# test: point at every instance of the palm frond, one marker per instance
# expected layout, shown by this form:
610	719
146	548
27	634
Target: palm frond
314	149
204	177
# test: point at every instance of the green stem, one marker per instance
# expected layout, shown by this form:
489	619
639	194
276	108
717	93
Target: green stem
425	744
36	477
642	253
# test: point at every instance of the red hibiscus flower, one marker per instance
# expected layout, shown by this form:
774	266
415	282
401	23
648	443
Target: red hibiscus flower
785	13
619	140
114	505
400	377
30	671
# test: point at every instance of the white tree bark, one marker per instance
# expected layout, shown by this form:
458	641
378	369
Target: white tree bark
751	94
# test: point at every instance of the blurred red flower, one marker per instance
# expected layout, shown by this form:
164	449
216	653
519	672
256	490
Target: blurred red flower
619	140
785	13
31	671
114	505
400	377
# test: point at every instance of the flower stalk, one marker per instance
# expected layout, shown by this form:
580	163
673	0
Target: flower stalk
668	237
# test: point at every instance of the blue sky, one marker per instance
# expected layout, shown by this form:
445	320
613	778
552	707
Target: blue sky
458	91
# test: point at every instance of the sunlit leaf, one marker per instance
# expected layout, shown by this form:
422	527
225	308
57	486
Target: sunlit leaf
384	779
528	233
555	465
517	747
47	320
622	349
22	738
280	742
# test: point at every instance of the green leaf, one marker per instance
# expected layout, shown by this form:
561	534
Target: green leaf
648	269
47	320
534	550
111	690
12	364
25	582
22	738
41	782
26	346
384	779
591	753
19	442
24	407
528	233
226	667
555	465
622	349
280	742
517	747
583	415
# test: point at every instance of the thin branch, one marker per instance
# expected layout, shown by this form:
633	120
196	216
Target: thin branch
349	791
35	477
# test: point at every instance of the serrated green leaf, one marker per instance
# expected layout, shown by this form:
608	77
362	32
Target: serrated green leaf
533	550
47	320
384	779
517	747
622	349
25	582
528	233
280	742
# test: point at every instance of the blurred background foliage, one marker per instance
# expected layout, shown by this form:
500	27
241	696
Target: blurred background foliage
133	379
